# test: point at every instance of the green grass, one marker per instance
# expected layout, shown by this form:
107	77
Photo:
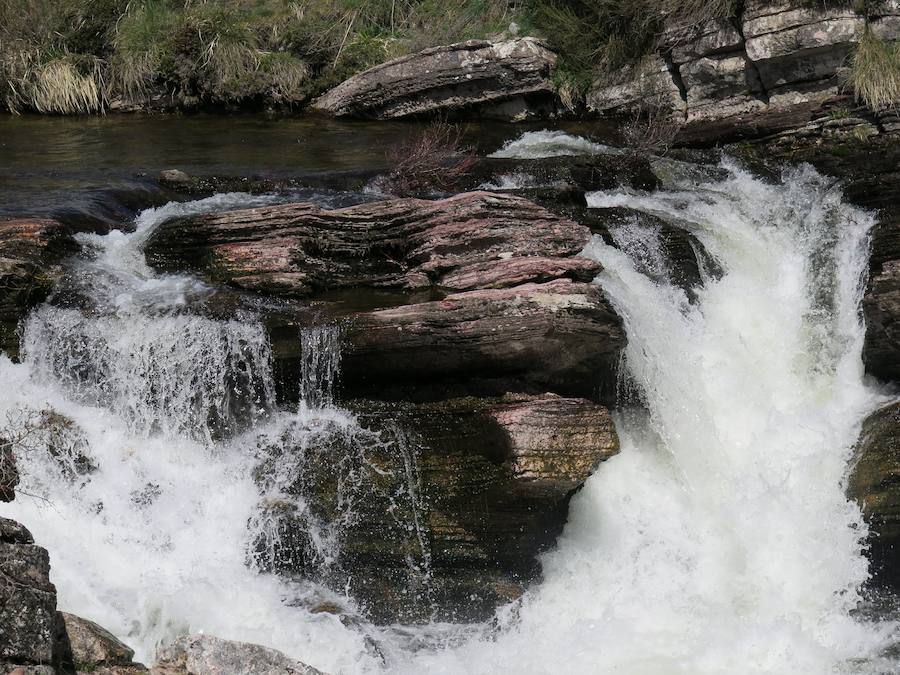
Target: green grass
875	72
75	56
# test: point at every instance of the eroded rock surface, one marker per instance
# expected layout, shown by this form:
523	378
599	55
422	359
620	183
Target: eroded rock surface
84	646
301	249
875	484
209	655
507	79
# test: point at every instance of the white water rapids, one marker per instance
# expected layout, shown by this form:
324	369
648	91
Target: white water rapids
719	541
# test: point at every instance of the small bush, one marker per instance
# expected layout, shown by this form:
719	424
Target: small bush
875	72
431	158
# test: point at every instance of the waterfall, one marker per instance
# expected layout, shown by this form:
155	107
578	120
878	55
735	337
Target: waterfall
173	493
720	539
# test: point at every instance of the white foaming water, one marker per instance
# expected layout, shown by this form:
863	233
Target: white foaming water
518	181
719	541
154	542
538	144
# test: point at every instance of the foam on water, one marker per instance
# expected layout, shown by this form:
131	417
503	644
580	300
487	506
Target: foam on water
718	541
538	144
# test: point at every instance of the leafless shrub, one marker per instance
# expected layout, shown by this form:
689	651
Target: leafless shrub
431	159
28	430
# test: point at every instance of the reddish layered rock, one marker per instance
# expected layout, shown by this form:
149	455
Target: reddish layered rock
29	248
301	249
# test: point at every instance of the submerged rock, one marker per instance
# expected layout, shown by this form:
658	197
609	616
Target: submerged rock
510	79
875	483
464	495
209	655
29	247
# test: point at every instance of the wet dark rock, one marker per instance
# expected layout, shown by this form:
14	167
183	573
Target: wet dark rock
881	307
29	249
9	473
560	335
464	493
510	79
209	655
27	599
875	484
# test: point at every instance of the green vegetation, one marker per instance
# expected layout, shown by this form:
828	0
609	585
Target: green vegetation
75	56
596	37
78	56
875	72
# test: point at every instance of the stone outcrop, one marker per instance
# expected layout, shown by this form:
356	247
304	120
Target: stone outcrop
299	250
209	655
471	490
84	647
875	484
29	248
481	289
27	601
775	68
559	335
508	79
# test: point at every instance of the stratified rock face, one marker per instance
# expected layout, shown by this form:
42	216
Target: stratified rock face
496	77
301	249
875	484
560	335
209	655
519	310
471	490
28	249
777	67
27	599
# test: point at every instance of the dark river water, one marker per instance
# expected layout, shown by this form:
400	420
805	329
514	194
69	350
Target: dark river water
48	163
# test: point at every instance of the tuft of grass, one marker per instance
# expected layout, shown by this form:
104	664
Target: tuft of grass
875	72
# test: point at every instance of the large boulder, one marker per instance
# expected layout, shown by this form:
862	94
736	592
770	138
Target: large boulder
464	495
508	79
209	655
875	484
84	647
29	249
491	291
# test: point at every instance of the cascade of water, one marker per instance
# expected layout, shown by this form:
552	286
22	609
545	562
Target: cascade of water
718	541
320	364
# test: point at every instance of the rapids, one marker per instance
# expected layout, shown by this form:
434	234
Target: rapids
718	541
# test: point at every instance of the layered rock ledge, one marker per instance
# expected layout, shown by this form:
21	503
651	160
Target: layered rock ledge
510	79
